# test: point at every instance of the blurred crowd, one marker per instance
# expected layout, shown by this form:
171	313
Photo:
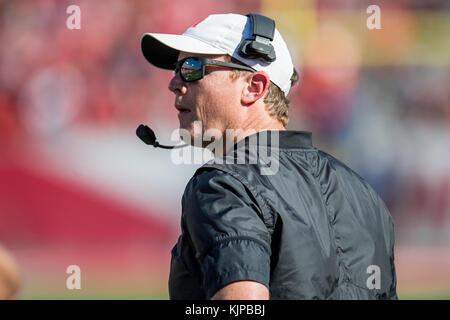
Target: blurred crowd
385	113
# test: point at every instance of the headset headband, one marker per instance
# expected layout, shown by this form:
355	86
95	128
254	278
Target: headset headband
263	30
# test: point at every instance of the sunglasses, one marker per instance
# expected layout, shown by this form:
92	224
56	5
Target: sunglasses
193	68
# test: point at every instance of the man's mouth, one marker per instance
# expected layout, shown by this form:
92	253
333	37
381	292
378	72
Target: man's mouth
182	109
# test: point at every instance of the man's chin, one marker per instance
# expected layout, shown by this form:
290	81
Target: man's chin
186	138
194	138
186	132
194	134
189	130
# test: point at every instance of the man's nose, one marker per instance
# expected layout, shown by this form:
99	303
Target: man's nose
177	84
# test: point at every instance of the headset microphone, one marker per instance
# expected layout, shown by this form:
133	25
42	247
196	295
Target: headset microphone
148	137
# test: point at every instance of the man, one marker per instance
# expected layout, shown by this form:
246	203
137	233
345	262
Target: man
9	275
307	228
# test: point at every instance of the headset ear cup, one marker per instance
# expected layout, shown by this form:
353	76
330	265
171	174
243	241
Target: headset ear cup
246	50
243	52
271	55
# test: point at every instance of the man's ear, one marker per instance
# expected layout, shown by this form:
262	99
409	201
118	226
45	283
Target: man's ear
257	84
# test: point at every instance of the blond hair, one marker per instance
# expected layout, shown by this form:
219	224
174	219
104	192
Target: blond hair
276	102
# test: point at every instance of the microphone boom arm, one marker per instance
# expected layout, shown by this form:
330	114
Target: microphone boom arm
148	137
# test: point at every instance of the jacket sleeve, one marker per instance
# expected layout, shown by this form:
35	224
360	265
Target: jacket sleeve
230	240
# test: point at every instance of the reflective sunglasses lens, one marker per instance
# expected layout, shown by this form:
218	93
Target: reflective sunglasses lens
191	70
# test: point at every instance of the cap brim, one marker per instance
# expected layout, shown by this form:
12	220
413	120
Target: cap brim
162	50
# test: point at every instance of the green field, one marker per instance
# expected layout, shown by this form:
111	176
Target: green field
438	295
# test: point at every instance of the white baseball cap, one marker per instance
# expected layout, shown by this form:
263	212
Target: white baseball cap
219	34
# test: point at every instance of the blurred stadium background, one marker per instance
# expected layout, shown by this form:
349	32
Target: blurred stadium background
78	187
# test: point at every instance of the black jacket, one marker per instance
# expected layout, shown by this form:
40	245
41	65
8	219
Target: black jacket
311	229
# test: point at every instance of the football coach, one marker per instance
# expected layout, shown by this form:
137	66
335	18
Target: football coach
313	229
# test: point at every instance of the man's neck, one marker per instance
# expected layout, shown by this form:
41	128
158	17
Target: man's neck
233	136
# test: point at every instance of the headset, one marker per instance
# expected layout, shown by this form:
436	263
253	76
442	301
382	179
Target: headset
257	47
148	137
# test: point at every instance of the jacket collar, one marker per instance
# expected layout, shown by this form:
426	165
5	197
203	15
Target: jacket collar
283	139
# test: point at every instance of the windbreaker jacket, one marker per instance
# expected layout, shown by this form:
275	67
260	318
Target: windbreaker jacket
310	229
